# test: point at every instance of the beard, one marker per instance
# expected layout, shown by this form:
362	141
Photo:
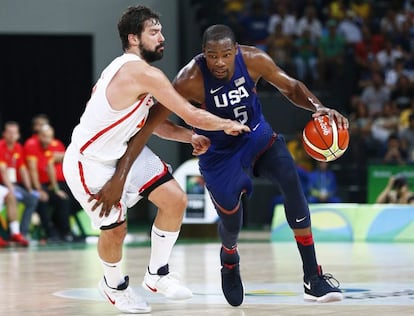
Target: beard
151	56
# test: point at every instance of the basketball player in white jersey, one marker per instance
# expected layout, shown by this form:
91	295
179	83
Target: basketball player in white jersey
118	108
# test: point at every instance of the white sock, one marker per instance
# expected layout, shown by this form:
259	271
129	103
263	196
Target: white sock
14	227
162	243
113	273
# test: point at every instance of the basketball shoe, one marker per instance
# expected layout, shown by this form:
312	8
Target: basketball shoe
231	282
322	288
166	283
124	298
19	239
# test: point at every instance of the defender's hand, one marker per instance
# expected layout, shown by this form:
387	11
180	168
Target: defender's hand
200	144
235	128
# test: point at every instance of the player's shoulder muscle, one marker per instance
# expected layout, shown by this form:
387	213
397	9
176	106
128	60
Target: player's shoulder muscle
258	62
189	81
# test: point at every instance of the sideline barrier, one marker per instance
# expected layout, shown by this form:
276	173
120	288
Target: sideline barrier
352	222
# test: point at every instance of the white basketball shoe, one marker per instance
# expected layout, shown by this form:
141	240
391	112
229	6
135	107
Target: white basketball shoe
124	298
166	283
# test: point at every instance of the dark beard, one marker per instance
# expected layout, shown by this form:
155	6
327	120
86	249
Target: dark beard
151	56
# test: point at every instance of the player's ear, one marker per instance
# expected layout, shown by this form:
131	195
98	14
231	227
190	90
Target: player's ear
133	39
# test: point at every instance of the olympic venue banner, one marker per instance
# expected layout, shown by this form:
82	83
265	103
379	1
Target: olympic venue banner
352	222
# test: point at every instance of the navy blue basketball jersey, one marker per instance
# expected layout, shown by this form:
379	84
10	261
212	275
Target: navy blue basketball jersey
234	99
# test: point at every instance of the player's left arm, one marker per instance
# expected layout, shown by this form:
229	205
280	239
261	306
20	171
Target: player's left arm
171	131
262	65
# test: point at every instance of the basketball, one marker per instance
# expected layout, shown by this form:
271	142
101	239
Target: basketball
324	141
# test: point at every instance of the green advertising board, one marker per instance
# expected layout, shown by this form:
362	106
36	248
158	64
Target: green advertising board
378	176
352	222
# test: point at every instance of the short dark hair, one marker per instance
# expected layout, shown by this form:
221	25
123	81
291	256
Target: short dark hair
400	180
41	116
133	21
218	32
10	123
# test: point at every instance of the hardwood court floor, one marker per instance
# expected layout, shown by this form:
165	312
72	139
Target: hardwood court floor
378	279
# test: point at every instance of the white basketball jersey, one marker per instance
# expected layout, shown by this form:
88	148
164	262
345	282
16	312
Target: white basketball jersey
102	133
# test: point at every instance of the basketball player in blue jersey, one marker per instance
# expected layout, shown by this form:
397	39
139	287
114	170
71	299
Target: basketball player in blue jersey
223	81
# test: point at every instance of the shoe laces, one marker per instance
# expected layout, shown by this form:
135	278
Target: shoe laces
329	278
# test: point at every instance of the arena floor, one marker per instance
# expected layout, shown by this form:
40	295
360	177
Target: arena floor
377	279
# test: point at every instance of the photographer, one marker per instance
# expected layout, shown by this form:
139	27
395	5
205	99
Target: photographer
397	191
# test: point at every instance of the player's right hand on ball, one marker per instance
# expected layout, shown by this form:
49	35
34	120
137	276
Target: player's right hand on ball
236	128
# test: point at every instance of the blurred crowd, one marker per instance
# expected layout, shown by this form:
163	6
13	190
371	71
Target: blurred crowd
35	202
362	46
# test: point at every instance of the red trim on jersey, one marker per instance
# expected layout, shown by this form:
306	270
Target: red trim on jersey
272	140
223	210
100	133
154	179
82	178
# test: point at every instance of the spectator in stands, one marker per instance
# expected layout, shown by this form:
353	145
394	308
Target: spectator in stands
404	38
396	191
8	199
362	9
306	57
322	185
14	174
392	75
255	25
331	54
395	152
391	22
289	24
376	94
336	10
280	47
363	146
386	123
366	50
311	23
37	122
388	55
407	138
47	175
405	116
403	93
349	29
302	159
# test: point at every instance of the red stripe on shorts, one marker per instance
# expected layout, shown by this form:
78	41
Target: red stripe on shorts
154	179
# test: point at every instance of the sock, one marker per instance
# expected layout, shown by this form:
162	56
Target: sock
14	227
162	243
229	257
113	273
307	252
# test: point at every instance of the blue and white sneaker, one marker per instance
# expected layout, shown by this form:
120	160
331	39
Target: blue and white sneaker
322	288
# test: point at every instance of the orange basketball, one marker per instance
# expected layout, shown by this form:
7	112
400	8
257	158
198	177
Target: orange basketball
324	141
